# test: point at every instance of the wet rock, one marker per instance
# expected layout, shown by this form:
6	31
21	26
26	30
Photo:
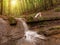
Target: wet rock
4	28
24	42
10	34
18	30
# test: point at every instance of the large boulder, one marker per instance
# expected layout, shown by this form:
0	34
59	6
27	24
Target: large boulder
10	34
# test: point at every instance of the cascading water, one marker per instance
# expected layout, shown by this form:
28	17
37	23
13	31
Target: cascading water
30	36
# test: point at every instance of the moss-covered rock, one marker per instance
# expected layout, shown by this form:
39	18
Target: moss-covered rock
12	21
10	34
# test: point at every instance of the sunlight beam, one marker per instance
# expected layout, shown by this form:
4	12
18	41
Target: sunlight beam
13	2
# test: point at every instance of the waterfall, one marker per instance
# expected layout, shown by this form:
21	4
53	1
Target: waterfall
24	24
30	36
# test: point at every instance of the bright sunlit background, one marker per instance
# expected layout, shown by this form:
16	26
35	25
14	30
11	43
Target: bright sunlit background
19	7
13	2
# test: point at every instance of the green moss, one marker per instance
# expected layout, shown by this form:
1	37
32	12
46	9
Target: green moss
31	18
55	28
57	9
12	21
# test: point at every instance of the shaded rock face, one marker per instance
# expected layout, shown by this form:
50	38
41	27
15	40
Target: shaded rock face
9	34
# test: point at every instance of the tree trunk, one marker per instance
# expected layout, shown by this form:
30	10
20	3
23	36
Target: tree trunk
51	2
1	7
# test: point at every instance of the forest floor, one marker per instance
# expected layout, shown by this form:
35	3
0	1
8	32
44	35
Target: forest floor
45	15
51	13
45	24
54	39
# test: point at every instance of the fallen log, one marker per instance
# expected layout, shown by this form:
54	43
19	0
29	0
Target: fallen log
50	33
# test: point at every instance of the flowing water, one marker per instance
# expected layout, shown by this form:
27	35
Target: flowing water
30	37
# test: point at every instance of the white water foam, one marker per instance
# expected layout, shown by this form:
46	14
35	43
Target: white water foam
30	36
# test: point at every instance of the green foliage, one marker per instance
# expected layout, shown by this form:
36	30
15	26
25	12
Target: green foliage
30	18
55	28
24	6
57	9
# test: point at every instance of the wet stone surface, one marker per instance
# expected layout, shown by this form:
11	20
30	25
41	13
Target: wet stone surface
9	34
13	35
